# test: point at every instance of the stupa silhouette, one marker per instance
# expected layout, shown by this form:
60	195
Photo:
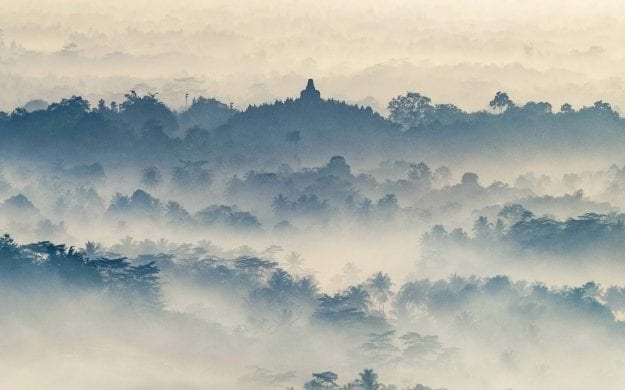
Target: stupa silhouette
310	93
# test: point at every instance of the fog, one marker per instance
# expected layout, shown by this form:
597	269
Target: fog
360	51
358	196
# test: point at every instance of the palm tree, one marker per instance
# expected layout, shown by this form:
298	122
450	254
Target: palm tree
380	287
281	205
369	379
357	298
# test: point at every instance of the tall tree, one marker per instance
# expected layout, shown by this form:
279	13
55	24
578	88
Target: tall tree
413	109
369	379
293	137
501	102
379	286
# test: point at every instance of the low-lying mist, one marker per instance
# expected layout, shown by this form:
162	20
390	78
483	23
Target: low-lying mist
310	243
127	277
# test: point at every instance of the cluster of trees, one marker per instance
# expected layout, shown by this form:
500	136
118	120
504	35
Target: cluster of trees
187	175
377	323
519	131
458	298
414	109
142	205
459	306
367	380
139	128
321	192
288	200
142	128
373	308
306	190
333	189
520	229
44	265
417	110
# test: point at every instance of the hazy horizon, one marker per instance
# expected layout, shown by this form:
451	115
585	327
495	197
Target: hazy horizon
361	52
429	215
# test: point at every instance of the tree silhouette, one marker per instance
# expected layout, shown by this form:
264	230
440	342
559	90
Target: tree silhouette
501	102
566	108
293	137
410	110
379	347
420	174
138	110
369	379
379	286
207	113
322	380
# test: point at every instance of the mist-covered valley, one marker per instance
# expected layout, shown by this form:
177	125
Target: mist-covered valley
311	243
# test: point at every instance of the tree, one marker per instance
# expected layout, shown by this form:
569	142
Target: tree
602	106
91	249
379	347
101	107
281	205
483	229
566	108
35	105
447	114
501	102
192	173
369	379
379	287
175	213
350	306
295	262
138	110
322	380
420	174
293	137
151	176
206	113
388	201
417	347
537	108
73	104
515	213
442	176
411	110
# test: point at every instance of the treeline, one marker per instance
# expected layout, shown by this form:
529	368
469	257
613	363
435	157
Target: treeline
518	229
415	325
139	128
367	380
375	306
142	128
267	289
47	267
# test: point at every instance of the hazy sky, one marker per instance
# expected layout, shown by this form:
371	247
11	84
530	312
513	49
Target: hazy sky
361	51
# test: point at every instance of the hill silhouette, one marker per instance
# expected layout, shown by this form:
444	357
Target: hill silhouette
327	126
308	129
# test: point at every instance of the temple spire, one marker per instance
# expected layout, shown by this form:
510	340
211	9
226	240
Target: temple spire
310	93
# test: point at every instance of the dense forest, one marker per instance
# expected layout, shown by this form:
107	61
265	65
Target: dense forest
312	244
309	129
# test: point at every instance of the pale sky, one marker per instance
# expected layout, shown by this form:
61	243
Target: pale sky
248	52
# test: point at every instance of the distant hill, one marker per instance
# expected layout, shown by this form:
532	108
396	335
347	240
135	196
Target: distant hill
309	130
326	128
